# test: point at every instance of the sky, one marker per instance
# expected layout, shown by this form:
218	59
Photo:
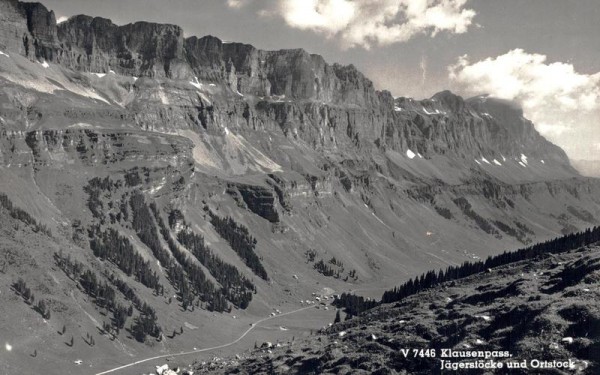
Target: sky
544	54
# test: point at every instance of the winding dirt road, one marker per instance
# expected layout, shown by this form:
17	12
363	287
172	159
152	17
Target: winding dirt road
254	325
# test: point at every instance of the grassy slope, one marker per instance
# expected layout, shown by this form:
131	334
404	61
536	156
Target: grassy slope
524	308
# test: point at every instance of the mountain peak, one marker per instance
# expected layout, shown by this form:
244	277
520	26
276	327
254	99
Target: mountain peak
498	106
450	100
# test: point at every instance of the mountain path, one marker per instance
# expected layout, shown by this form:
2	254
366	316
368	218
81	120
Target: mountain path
254	325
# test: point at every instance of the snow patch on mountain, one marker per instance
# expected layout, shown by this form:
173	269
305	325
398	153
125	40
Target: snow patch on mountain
196	83
39	83
164	99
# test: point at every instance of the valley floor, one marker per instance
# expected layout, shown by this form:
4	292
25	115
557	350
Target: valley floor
274	328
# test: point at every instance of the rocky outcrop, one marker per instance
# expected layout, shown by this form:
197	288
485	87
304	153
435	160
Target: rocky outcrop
288	74
240	66
477	128
260	200
28	29
13	27
41	23
86	147
139	49
147	49
92	44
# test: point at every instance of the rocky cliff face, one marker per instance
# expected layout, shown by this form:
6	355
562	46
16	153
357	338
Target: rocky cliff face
28	28
140	49
92	44
481	128
328	106
146	49
13	27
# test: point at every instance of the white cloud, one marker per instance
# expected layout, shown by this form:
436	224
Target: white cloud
236	3
563	103
371	22
525	77
61	19
329	16
553	130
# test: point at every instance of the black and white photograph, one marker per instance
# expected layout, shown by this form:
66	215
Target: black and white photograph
383	187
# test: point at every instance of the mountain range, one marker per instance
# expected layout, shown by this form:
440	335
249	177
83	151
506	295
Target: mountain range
161	193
